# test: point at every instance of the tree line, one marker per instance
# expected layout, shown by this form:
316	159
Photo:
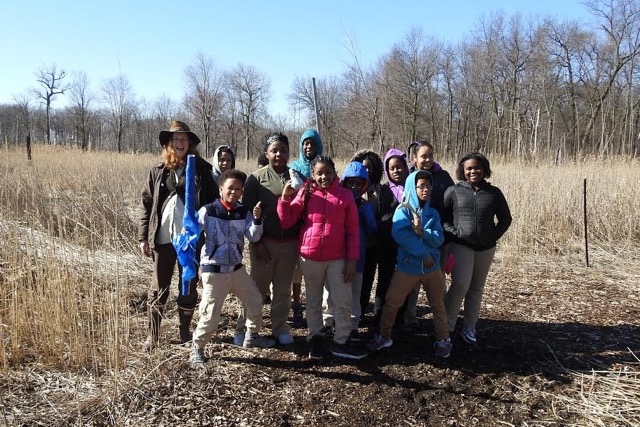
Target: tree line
515	86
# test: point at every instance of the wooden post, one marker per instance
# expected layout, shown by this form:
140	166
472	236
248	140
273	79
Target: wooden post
315	105
586	237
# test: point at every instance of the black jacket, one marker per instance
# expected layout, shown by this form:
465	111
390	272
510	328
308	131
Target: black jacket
469	215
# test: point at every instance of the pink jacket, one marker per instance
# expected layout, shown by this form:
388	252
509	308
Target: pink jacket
330	225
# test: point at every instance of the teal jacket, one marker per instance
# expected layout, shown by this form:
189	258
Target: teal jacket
303	165
414	249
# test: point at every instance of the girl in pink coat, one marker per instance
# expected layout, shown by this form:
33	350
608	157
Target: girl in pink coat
329	250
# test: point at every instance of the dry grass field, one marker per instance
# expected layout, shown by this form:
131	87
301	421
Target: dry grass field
559	340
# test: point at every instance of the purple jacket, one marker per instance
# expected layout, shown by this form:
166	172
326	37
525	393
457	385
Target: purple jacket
397	189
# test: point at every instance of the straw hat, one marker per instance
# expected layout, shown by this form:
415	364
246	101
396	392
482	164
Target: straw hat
177	127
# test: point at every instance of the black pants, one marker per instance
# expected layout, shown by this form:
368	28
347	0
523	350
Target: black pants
164	262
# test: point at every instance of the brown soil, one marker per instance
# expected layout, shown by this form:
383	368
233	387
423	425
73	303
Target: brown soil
537	325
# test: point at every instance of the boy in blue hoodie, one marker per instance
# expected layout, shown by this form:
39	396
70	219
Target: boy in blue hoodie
309	148
419	234
356	179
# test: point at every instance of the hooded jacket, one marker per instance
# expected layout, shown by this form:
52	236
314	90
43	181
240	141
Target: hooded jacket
469	214
303	165
414	249
441	181
214	162
396	188
366	215
330	222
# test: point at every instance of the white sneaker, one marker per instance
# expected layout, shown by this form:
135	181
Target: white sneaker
285	338
255	340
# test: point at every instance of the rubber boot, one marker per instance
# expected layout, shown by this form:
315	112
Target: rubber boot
154	329
185	317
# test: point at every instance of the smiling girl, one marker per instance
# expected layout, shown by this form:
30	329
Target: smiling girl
476	215
329	248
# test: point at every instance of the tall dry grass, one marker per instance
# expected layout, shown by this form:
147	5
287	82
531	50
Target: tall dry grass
69	253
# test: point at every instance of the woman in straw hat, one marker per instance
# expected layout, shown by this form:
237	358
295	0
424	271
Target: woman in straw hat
161	217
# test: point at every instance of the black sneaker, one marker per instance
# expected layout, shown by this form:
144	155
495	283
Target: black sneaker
356	337
348	351
316	348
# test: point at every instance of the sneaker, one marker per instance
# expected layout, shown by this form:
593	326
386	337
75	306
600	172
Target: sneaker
378	342
356	336
348	351
197	358
469	336
443	348
238	339
285	338
316	347
255	340
298	318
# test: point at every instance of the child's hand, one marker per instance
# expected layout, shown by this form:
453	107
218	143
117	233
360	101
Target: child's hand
417	225
288	191
349	271
428	262
257	211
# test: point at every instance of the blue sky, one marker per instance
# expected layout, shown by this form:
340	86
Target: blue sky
151	42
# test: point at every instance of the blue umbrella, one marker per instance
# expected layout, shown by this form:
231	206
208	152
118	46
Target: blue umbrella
185	242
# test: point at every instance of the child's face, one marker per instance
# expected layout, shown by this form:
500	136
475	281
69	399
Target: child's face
473	171
396	170
225	160
355	184
309	148
424	158
231	191
423	189
278	155
323	175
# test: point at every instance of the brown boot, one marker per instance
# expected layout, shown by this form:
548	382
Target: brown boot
185	317
154	328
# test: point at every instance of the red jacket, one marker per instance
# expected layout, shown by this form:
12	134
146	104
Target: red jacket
330	225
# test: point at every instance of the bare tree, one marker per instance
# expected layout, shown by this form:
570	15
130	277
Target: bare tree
50	80
205	93
250	91
81	98
23	120
620	22
331	101
120	103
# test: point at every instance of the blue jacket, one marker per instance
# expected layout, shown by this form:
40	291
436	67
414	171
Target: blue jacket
413	249
303	165
366	216
224	232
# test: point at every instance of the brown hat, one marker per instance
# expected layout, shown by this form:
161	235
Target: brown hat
177	127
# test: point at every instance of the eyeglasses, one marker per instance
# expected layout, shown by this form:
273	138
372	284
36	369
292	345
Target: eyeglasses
423	187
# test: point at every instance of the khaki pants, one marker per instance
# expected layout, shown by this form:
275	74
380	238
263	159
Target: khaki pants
316	274
278	273
356	310
401	285
215	288
467	283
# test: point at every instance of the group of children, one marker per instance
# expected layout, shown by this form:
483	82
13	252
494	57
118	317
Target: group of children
303	220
